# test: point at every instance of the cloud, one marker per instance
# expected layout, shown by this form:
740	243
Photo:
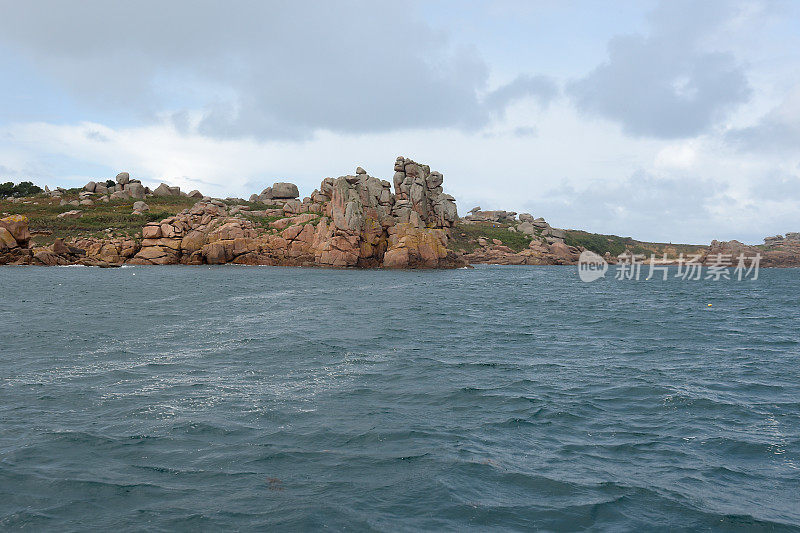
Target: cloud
665	84
777	131
525	131
776	187
664	206
539	87
267	70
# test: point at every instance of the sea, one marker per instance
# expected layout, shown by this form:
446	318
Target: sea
499	398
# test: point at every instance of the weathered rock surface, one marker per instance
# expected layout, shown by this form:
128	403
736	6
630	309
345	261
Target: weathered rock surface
777	252
135	190
285	190
166	190
539	252
17	227
140	208
419	190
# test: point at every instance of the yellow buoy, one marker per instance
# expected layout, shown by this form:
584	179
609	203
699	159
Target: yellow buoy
709	305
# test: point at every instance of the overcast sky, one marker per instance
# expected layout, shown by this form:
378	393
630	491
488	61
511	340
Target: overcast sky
676	121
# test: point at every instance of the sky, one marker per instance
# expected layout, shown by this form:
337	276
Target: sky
671	121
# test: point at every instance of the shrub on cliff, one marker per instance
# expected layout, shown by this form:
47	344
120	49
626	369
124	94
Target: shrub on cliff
25	188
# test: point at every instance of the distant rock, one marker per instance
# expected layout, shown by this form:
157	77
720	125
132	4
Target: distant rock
285	190
527	228
140	207
59	247
123	178
162	190
70	214
195	194
135	190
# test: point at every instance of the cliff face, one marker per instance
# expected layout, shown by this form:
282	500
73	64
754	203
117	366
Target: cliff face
774	253
350	221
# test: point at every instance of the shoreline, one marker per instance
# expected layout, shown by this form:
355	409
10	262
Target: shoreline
353	221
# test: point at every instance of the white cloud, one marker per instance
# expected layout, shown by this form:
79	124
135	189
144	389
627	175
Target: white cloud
315	94
676	156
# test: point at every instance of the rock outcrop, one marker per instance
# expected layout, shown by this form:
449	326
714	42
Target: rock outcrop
418	190
777	251
125	187
350	221
539	252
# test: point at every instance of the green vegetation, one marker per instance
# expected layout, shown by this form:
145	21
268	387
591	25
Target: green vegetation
617	245
465	239
25	188
465	236
602	243
259	220
255	206
116	215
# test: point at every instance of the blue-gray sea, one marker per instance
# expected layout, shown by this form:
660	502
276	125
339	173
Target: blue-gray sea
499	398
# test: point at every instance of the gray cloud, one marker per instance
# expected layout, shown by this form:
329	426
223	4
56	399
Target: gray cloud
539	87
261	69
776	186
664	84
777	131
661	208
525	131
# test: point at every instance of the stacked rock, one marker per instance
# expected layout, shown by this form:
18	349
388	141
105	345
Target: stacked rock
420	190
278	194
124	188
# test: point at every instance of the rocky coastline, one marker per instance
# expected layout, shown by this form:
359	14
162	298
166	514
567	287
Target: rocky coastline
353	221
350	221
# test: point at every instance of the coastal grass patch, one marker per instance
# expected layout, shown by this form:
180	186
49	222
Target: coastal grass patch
465	236
616	245
116	215
256	206
94	224
259	220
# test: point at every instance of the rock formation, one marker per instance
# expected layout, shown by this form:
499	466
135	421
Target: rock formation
350	221
777	251
125	187
539	252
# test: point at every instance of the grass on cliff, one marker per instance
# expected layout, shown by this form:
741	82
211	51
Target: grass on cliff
42	212
616	245
465	236
464	239
255	206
